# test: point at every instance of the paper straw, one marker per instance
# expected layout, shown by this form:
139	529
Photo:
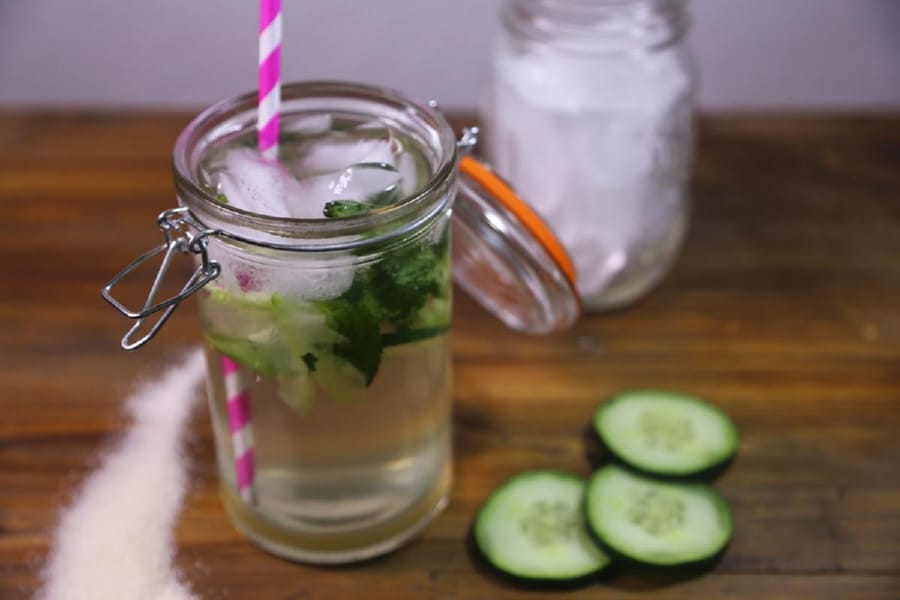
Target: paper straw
237	397
269	77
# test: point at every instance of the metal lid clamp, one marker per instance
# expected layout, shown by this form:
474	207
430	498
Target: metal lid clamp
178	240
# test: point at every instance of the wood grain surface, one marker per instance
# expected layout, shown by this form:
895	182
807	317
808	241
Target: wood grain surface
784	309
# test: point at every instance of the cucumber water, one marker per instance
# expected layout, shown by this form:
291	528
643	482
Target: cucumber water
344	356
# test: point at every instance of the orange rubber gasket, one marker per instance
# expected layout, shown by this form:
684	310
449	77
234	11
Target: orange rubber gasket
532	222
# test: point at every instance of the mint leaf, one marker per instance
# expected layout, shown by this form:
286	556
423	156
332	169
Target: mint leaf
310	360
360	332
337	209
397	338
402	282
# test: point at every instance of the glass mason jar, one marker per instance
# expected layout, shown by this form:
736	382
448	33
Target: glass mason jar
588	112
327	343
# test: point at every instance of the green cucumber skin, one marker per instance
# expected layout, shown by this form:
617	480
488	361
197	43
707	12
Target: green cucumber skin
486	568
487	564
670	571
602	455
712	469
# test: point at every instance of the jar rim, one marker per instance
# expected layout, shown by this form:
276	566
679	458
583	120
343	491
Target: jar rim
599	27
324	234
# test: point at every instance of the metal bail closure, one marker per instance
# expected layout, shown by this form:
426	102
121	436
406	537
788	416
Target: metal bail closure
507	258
178	239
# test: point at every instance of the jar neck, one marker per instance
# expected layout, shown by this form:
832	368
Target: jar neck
599	26
424	125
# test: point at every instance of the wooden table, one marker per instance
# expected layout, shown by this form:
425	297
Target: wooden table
784	309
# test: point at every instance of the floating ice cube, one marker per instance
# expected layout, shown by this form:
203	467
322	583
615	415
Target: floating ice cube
406	166
311	283
365	181
362	183
310	125
337	151
251	183
245	276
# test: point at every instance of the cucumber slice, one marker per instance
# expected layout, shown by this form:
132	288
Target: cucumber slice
666	433
656	522
532	527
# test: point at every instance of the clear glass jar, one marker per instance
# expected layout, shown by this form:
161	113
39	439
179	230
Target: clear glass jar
588	112
327	341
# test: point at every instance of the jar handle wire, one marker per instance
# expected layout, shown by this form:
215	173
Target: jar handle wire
177	240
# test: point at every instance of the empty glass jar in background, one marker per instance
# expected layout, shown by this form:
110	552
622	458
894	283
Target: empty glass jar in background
588	112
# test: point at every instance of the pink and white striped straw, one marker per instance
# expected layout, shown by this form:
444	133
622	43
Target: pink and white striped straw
237	398
237	394
269	77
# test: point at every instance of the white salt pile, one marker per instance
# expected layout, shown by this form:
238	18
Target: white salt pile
116	541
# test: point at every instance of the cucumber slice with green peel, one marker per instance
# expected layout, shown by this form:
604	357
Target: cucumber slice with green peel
532	528
666	433
655	522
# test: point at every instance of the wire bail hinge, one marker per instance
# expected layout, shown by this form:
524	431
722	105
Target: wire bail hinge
177	239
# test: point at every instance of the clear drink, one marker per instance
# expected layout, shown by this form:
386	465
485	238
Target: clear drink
342	349
344	478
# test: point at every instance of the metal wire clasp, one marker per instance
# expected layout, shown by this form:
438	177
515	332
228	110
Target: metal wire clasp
173	224
468	140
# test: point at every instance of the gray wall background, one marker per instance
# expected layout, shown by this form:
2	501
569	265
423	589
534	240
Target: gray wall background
753	54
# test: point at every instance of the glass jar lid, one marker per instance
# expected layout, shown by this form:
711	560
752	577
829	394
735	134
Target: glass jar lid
507	258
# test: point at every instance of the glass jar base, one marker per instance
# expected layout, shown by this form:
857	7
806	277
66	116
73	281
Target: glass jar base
620	297
338	547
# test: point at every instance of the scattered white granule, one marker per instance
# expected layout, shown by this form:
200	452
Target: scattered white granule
116	540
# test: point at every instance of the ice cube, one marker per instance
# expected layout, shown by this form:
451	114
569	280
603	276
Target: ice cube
251	183
310	125
339	150
312	283
406	166
362	183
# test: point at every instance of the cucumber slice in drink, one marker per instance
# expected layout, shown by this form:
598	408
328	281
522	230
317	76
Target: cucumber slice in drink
532	528
666	433
655	522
